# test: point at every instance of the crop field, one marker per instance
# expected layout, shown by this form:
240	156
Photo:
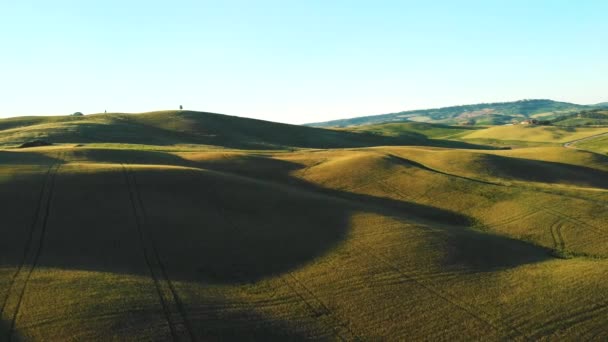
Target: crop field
533	134
597	143
251	236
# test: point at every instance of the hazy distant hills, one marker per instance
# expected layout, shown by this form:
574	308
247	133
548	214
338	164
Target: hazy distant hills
476	114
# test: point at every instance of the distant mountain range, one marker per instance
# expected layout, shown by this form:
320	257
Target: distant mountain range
476	114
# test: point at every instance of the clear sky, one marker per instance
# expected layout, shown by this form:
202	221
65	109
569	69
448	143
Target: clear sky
297	61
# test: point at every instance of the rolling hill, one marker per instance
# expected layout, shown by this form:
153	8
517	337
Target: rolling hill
171	128
196	226
594	117
504	136
477	114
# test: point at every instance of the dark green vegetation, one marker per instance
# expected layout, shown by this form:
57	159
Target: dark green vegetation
206	233
594	117
478	114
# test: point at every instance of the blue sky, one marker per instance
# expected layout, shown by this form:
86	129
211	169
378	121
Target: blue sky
297	61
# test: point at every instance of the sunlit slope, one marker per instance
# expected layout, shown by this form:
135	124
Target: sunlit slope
533	134
427	130
596	117
597	144
186	128
375	243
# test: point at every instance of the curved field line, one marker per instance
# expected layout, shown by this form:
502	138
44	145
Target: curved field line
553	236
572	143
514	218
571	320
145	239
501	327
558	232
38	249
597	333
574	220
322	311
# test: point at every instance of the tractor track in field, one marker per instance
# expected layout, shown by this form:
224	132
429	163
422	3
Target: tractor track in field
596	333
580	316
321	309
33	248
29	238
157	269
573	220
556	234
513	218
499	326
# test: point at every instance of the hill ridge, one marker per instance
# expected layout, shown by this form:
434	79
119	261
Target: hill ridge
176	127
491	113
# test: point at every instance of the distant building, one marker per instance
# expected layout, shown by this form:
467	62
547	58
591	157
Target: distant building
529	122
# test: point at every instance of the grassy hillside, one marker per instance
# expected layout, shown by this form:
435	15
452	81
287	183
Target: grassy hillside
433	131
170	128
531	134
380	243
596	117
512	135
477	114
597	144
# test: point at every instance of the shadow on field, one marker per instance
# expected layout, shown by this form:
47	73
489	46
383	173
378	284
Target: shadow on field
473	249
231	220
208	226
188	127
228	220
543	171
5	333
120	156
239	323
24	158
480	252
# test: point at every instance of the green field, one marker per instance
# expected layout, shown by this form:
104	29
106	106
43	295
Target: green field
198	226
533	133
597	143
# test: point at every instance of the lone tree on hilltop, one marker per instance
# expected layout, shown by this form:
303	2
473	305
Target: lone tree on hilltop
181	107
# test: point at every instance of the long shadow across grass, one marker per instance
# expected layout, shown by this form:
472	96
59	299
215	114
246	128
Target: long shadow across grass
8	158
244	218
5	332
233	221
216	130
